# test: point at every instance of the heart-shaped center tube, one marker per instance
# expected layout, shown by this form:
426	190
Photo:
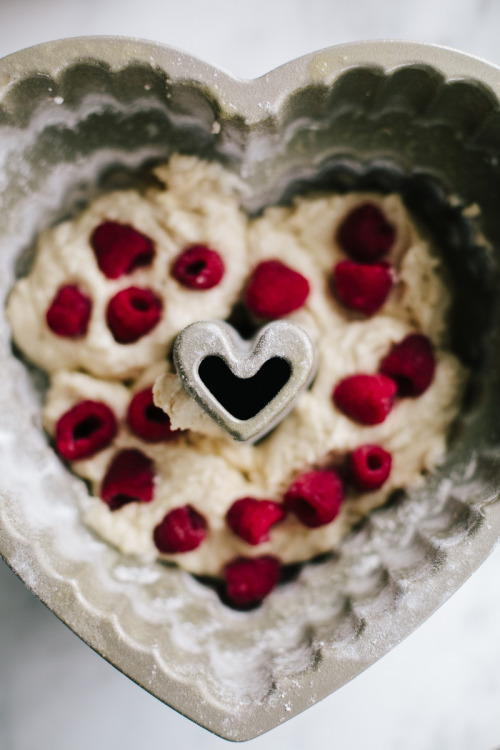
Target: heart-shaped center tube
247	387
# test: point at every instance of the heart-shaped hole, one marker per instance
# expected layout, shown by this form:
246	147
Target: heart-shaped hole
243	398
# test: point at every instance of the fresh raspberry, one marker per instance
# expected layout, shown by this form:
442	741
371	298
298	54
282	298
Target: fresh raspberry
275	290
369	467
315	497
198	267
251	519
362	287
411	363
366	399
148	421
69	312
132	313
365	234
84	430
182	530
120	249
250	579
129	479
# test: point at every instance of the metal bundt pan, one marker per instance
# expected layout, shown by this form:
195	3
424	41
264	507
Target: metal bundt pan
81	116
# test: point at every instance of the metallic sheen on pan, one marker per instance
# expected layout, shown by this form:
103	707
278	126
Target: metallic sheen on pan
81	116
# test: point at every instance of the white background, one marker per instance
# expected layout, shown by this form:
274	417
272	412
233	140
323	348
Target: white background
440	689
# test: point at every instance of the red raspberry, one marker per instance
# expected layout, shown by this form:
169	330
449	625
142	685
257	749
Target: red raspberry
182	530
251	519
250	579
198	267
411	363
129	479
275	290
120	249
69	312
84	430
365	234
148	421
361	287
132	313
366	399
369	467
315	497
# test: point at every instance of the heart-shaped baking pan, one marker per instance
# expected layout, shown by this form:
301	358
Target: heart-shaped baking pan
82	116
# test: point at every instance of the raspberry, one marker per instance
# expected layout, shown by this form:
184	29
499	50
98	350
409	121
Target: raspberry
148	421
182	530
120	249
198	267
84	430
411	363
251	519
315	497
129	479
250	579
361	287
369	467
365	234
366	399
132	313
275	290
69	312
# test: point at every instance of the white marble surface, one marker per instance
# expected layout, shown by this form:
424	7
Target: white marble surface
440	689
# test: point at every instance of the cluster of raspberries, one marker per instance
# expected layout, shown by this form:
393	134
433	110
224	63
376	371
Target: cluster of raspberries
274	290
133	312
